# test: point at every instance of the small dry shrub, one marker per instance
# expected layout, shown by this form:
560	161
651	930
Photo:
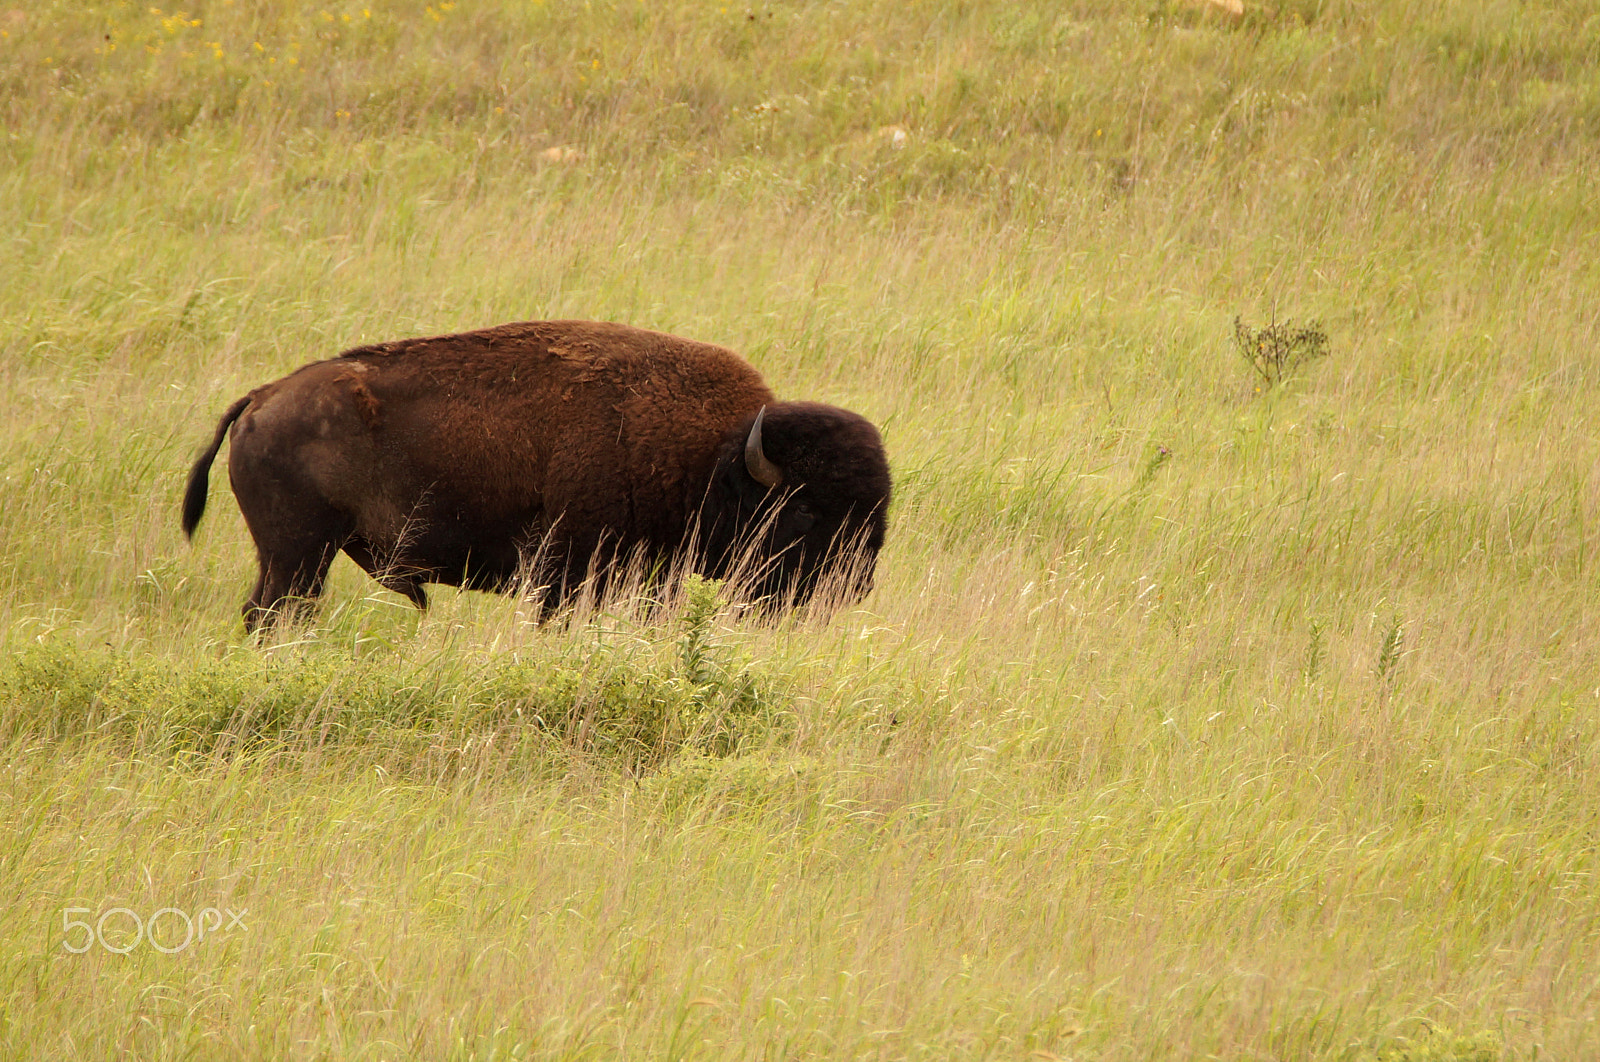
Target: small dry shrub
1277	350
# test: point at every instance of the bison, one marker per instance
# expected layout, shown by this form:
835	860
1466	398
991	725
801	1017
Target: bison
542	455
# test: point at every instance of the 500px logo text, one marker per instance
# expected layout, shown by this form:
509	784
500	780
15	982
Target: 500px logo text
206	920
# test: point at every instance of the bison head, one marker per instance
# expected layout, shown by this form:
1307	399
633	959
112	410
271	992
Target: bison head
799	499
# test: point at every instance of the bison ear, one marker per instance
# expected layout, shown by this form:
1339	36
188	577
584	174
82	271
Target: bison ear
756	463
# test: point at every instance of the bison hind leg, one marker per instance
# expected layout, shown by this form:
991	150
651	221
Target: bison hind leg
390	574
288	587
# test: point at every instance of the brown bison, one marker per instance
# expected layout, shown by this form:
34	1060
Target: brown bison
540	455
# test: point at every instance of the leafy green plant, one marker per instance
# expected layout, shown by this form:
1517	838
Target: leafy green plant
1390	651
726	705
1159	457
702	602
1316	651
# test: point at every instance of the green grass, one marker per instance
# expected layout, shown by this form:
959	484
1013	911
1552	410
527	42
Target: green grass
1195	715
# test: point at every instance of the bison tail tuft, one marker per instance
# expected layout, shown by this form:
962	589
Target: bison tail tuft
194	495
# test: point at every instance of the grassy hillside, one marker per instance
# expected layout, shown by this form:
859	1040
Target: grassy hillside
1200	711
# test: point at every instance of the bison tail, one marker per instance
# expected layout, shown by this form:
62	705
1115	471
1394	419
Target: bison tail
194	495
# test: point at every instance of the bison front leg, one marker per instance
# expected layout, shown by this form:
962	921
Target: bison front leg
391	573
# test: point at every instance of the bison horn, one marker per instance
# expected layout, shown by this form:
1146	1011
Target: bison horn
762	470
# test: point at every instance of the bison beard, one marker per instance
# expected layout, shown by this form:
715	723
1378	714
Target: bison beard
545	454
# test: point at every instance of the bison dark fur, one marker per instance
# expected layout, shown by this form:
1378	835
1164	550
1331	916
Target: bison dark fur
543	454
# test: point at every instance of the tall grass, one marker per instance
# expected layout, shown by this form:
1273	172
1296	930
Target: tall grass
1190	717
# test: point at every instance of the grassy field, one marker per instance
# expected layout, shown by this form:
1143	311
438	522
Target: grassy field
1200	712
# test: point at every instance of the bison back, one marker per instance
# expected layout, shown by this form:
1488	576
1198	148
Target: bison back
560	433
